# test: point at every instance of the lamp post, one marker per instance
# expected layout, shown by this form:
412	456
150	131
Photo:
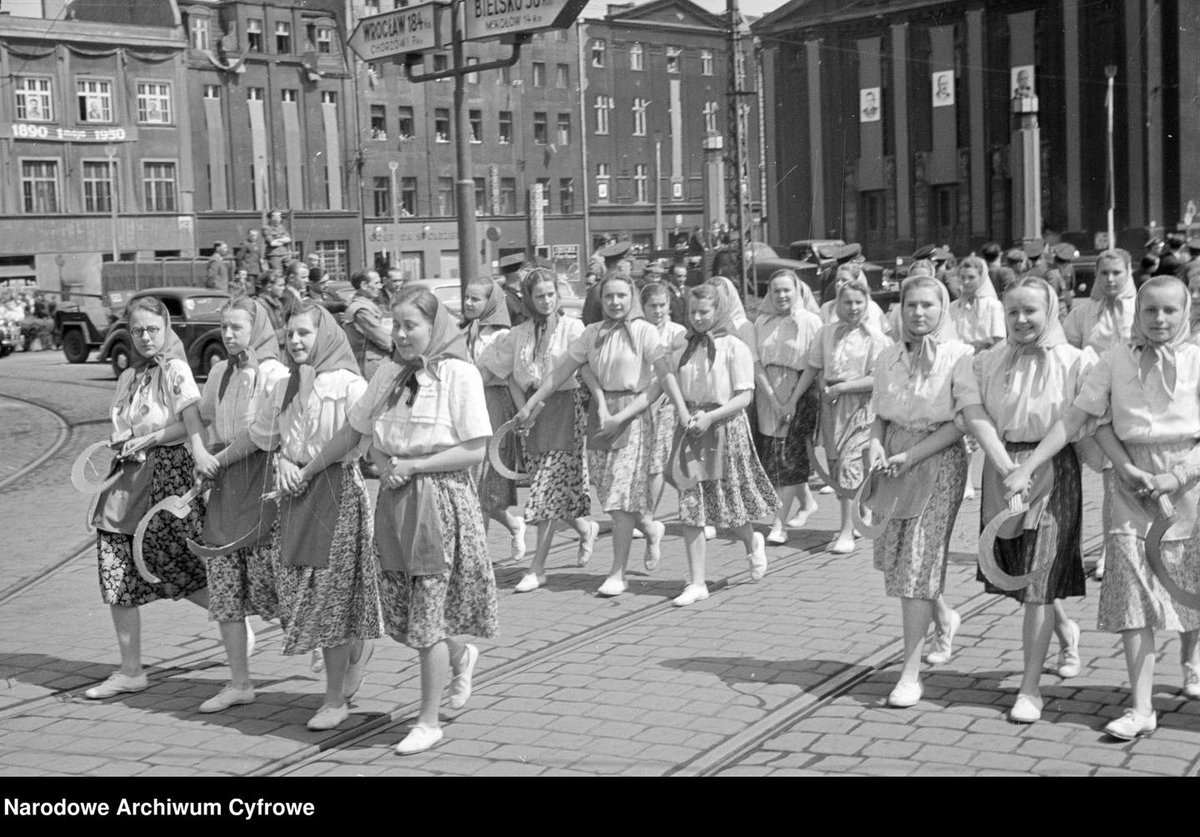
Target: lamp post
111	152
394	260
658	219
1110	71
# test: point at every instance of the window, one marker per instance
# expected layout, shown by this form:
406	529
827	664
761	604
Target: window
598	48
476	119
566	195
372	6
540	128
378	122
34	101
710	117
286	95
334	257
199	30
283	37
472	78
406	126
706	62
564	129
603	106
508	196
639	117
440	63
328	97
945	206
154	103
159	180
637	57
544	182
95	100
324	40
408	196
481	206
254	94
602	178
505	76
382	193
441	124
39	185
212	91
673	55
873	211
505	127
254	34
445	202
539	74
562	75
639	183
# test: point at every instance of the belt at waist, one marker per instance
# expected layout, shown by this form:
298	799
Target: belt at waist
620	392
702	405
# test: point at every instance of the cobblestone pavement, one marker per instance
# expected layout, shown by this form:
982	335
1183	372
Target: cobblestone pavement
786	676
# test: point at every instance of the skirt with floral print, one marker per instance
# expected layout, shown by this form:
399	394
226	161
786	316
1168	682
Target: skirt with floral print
621	477
913	553
324	607
420	610
845	434
663	419
1131	597
785	458
243	583
164	547
495	492
742	496
558	478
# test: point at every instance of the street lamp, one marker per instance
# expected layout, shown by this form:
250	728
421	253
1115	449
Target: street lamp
111	151
1110	71
393	166
658	218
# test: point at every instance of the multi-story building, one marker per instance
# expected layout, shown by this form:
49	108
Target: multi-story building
900	123
94	138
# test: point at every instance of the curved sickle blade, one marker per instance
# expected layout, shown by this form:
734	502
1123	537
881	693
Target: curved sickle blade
1162	522
79	475
494	452
816	465
207	552
177	504
987	551
870	530
681	477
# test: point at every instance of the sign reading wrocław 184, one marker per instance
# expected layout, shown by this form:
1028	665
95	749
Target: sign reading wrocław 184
404	30
54	133
491	18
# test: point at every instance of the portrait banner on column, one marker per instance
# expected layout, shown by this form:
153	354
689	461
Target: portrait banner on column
1022	82
943	88
870	107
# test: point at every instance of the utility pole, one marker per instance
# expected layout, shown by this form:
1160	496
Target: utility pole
738	170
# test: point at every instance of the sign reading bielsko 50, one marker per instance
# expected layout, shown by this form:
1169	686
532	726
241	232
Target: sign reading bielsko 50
491	18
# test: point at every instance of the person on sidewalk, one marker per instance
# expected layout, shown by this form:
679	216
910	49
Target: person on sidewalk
485	319
1145	397
154	411
421	417
787	414
919	386
656	304
843	355
622	352
369	333
725	484
525	357
241	583
1024	386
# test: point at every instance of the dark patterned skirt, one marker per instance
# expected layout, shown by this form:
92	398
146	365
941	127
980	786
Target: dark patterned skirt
785	459
165	544
1056	542
242	583
421	610
742	495
559	484
496	493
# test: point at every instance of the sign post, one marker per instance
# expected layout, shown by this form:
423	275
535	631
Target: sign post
408	29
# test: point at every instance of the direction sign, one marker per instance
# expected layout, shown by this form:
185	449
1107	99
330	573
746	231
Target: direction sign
408	29
492	18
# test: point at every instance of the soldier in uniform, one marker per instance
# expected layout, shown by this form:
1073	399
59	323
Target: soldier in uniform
612	254
510	281
1061	275
839	256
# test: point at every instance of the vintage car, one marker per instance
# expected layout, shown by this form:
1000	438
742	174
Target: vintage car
195	316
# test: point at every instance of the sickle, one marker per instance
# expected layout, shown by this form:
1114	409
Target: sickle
1162	522
680	476
840	492
177	504
494	452
248	539
870	530
79	471
987	550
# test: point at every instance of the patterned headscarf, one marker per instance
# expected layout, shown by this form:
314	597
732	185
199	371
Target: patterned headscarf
610	326
446	340
494	313
331	350
1161	355
262	341
924	346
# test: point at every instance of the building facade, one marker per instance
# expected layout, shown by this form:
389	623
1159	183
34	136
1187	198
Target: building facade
897	123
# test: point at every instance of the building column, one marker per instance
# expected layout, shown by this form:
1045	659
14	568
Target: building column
904	221
816	153
1135	125
1074	139
1155	207
975	94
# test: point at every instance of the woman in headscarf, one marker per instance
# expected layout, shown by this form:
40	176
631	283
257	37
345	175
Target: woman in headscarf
725	485
977	314
1024	386
920	384
874	314
485	319
623	352
422	419
154	411
242	582
786	414
1192	272
656	302
525	357
1144	395
328	584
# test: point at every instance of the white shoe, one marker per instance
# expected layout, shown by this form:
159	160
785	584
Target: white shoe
777	535
840	547
710	532
1130	725
826	489
357	671
529	582
419	739
943	644
587	543
1068	655
611	587
691	594
801	517
969	492
1098	572
117	684
328	717
1191	680
1027	709
227	697
758	558
517	553
905	695
460	684
654	546
638	534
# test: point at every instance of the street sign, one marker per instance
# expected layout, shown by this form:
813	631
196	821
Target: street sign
408	29
492	18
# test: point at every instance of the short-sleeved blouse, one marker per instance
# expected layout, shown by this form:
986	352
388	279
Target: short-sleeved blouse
1086	327
875	315
232	415
316	413
731	371
512	355
445	413
906	397
848	359
1144	414
784	341
625	360
487	337
674	340
979	321
142	405
1025	401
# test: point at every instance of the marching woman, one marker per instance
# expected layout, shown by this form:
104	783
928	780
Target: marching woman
155	408
623	353
843	355
241	583
874	315
787	414
421	416
656	304
525	357
1192	272
1025	385
920	384
727	487
485	319
977	314
1145	394
328	585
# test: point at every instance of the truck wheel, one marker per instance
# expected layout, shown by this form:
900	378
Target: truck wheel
119	357
75	347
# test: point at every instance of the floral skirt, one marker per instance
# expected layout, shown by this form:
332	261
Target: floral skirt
621	477
324	607
164	546
421	610
913	553
243	583
664	421
785	459
558	479
496	493
743	495
845	434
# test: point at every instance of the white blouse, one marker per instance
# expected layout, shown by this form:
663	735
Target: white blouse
784	341
979	321
139	406
486	339
512	355
625	360
906	397
848	359
232	415
730	372
1144	414
316	413
1025	402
